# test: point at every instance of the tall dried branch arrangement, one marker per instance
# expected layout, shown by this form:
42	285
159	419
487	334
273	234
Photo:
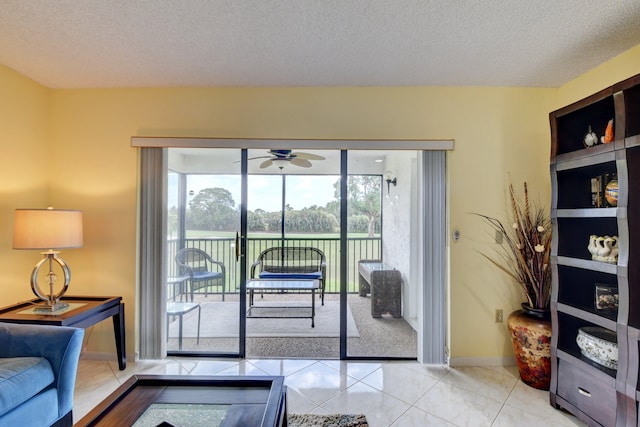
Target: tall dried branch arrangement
524	254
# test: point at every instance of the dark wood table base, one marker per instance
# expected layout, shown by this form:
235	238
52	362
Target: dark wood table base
84	311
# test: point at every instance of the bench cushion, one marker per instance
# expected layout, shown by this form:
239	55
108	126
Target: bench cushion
21	378
270	275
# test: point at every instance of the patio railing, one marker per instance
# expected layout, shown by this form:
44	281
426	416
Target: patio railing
223	249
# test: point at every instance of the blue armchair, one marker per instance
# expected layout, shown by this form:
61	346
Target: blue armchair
38	366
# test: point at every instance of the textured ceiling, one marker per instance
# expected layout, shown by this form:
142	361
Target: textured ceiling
142	43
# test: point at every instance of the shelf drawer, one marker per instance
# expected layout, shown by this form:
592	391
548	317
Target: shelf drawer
595	398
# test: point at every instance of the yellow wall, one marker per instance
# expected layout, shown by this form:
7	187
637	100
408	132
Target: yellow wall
617	69
497	130
24	142
91	166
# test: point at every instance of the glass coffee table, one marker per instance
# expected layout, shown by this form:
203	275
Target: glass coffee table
282	285
193	401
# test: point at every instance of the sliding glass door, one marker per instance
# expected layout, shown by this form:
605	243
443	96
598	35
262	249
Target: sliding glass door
227	206
292	209
289	204
204	274
382	242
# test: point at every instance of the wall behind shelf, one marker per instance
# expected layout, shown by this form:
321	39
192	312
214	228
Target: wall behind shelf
619	68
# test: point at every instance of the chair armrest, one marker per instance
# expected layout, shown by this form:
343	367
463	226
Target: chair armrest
219	264
253	269
60	345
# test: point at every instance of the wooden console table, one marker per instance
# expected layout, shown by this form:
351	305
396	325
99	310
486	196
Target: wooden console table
385	285
81	313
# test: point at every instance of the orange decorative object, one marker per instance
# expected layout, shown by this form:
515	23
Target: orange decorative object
608	133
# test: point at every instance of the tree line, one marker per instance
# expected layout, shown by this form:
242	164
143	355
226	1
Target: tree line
214	209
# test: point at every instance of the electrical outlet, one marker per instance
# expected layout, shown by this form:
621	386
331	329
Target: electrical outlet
498	315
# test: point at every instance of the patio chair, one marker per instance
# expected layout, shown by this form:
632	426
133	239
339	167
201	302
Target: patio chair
202	270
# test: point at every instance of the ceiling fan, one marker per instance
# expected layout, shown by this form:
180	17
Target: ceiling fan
281	157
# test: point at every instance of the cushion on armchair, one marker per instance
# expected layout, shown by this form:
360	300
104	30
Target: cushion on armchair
38	366
206	275
21	378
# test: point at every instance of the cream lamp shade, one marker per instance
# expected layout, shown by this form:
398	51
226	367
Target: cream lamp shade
44	229
48	230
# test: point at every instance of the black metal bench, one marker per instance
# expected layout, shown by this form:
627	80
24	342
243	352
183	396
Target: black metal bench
291	263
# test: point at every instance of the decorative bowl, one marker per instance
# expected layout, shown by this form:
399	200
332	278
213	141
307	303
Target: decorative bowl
599	344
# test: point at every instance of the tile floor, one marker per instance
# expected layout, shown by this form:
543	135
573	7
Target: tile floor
398	394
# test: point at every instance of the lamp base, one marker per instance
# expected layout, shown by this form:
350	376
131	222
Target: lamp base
45	307
51	302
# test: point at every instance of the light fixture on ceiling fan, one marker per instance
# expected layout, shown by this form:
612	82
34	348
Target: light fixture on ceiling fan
280	158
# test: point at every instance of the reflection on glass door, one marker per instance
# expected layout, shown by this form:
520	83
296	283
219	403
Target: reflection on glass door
381	237
203	274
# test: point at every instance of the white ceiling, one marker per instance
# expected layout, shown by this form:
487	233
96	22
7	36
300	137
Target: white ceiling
143	43
227	161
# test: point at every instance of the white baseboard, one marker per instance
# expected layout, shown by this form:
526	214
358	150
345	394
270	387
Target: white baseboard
101	355
482	361
453	362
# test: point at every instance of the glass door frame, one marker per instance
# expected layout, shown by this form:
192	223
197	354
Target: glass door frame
242	253
343	254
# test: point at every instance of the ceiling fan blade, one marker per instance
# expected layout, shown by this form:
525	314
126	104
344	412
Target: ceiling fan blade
280	153
253	158
266	164
301	162
307	156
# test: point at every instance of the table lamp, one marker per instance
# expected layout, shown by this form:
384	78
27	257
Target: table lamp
48	229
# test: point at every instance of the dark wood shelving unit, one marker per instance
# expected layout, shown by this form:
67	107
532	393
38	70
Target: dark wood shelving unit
594	393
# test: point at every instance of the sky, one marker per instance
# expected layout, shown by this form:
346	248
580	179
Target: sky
264	191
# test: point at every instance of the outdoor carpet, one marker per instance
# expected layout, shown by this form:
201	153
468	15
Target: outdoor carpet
220	320
335	420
